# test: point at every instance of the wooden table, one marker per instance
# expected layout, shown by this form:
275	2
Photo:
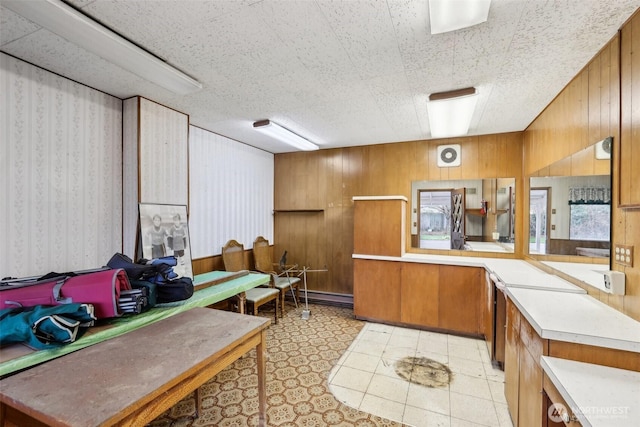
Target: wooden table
17	357
132	379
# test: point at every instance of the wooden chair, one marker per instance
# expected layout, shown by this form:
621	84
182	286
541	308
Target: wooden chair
281	278
233	258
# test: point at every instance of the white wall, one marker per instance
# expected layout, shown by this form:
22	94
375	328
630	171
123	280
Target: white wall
60	172
230	192
61	178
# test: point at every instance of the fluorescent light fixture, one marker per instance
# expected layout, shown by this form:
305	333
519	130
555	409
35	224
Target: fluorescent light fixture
451	15
450	113
285	135
77	28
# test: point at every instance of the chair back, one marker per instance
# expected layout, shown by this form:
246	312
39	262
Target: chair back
233	256
262	255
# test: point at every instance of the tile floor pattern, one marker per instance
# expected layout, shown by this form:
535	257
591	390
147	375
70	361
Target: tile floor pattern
301	354
365	378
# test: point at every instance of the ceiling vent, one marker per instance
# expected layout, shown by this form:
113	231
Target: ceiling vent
448	155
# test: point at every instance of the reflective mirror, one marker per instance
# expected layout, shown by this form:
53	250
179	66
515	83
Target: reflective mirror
570	206
471	215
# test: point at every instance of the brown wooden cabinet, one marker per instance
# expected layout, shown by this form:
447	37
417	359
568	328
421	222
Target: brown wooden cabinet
379	225
629	153
376	290
420	289
421	295
494	320
523	373
460	299
530	398
512	360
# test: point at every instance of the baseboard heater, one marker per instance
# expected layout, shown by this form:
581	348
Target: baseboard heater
326	298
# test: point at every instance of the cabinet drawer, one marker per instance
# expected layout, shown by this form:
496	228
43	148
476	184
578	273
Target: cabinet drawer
532	341
513	321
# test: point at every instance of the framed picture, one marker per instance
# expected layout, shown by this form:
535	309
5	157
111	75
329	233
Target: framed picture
164	231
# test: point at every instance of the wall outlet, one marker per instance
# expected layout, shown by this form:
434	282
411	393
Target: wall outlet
614	282
623	255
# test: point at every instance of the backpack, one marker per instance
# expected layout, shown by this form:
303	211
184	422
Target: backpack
159	271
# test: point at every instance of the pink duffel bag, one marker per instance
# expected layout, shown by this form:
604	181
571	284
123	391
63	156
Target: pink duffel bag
100	288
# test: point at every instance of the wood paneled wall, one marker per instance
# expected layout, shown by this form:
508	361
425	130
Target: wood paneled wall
313	192
586	111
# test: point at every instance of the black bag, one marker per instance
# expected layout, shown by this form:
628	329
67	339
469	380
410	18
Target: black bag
159	271
175	290
134	271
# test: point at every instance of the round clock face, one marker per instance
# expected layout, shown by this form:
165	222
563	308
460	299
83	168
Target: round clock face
448	155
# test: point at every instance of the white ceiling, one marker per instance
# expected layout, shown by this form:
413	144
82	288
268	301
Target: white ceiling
341	73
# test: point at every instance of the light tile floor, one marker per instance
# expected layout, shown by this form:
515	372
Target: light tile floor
365	378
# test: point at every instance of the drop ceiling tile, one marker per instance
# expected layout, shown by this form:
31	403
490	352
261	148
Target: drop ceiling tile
159	18
13	26
348	72
367	35
56	54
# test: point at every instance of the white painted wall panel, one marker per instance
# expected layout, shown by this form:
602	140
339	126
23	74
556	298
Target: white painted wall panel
231	193
163	154
61	179
130	175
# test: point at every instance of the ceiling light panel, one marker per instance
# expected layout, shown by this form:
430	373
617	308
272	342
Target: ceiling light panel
285	135
451	15
450	113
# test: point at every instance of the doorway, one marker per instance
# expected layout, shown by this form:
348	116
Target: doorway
435	219
539	219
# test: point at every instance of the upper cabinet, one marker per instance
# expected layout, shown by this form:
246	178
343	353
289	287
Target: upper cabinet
629	155
379	225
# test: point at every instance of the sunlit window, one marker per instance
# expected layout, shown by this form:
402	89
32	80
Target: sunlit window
590	222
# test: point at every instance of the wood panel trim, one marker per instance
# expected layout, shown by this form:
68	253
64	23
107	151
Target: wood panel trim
597	355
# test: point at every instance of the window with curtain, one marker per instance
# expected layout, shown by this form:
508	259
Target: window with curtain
590	213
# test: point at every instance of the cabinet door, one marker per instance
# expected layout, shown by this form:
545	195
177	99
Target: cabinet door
512	360
530	398
376	290
460	299
500	326
488	314
419	294
629	153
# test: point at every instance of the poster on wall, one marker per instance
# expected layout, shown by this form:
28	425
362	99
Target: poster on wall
164	231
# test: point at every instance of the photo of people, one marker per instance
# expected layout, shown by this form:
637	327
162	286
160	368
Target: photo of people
164	232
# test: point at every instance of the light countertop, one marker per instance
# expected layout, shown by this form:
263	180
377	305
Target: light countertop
511	272
591	274
557	309
597	395
577	318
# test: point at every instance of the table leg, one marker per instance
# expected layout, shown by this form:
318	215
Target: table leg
198	397
242	302
261	352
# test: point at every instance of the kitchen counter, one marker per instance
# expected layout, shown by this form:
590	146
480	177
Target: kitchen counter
597	395
591	275
557	309
511	272
576	318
